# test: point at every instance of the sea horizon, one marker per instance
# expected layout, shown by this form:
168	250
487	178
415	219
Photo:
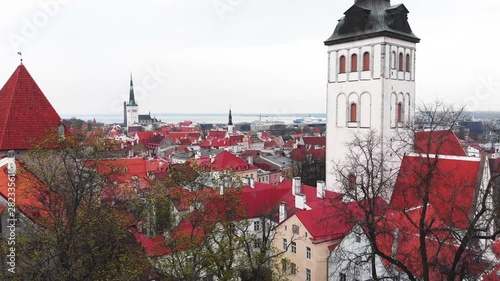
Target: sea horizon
202	118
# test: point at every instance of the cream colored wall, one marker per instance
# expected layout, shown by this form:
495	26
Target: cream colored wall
319	252
249	174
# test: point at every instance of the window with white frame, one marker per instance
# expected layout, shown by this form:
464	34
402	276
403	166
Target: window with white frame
343	277
308	275
294	247
295	229
256	225
293	269
308	253
285	244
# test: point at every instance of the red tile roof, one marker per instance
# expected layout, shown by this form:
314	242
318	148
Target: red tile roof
438	142
30	194
319	141
228	161
441	251
327	223
212	135
451	189
25	113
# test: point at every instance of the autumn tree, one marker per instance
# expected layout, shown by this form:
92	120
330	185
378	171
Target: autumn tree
70	234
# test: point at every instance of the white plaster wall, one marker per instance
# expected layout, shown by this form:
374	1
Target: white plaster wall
380	82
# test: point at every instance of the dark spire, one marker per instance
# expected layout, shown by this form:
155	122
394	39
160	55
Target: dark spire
131	100
230	123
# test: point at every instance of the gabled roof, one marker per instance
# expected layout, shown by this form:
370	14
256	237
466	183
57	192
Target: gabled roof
326	223
25	113
451	189
228	161
213	134
319	141
438	142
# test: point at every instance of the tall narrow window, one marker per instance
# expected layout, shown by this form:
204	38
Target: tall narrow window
366	61
401	61
407	62
354	111
308	274
352	181
399	116
393	60
342	64
354	63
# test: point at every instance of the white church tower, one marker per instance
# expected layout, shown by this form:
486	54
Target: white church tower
132	107
371	76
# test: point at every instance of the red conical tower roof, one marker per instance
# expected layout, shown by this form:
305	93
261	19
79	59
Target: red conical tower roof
25	113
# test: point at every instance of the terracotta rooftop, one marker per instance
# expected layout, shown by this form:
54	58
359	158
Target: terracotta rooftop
25	113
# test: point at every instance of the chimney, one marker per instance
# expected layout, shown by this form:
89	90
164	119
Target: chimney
60	131
11	163
250	159
246	181
282	178
283	213
221	189
197	154
296	186
252	182
300	201
320	189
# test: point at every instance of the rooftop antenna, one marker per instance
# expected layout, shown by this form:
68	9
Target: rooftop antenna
20	53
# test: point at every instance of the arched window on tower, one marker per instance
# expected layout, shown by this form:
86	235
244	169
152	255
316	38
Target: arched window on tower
401	61
399	113
342	64
354	63
353	113
407	62
393	60
366	61
352	181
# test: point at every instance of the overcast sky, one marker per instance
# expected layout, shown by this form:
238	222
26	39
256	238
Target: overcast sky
257	56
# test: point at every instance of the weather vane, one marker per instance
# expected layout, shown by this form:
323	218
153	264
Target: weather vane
21	56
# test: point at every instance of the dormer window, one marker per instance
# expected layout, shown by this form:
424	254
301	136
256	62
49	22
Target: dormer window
354	63
342	64
366	61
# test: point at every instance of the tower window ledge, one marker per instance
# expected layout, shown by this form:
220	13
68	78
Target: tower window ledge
352	124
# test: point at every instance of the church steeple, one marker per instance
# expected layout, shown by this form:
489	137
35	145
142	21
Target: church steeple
131	101
230	123
132	109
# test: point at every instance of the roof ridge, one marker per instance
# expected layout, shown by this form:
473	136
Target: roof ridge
17	71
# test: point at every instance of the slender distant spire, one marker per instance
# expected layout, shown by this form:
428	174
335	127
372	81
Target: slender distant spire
131	100
230	123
